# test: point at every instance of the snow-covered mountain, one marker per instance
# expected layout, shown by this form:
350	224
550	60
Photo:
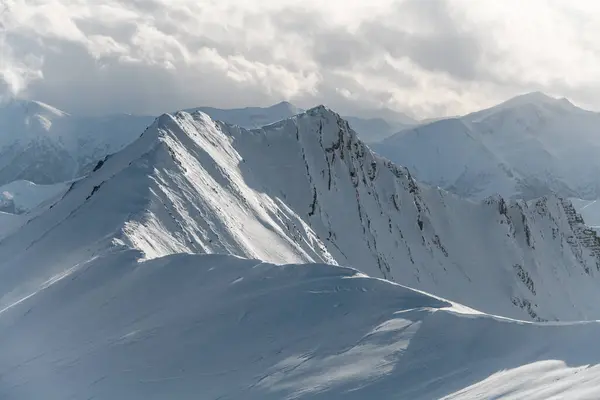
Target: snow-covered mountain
373	130
391	116
20	197
44	145
98	297
527	147
250	117
307	190
21	201
369	129
216	327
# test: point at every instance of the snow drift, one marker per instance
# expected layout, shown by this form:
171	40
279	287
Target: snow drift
208	327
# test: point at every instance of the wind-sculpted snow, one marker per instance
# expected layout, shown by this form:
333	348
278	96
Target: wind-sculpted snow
215	327
307	190
101	296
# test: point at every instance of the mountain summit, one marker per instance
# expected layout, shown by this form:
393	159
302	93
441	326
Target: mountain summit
306	189
526	147
200	262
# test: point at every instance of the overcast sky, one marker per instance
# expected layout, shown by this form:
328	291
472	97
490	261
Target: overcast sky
426	57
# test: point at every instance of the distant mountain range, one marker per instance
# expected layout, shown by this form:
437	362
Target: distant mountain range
526	147
44	145
372	126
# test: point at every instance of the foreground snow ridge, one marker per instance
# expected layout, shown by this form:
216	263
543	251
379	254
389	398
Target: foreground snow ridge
208	327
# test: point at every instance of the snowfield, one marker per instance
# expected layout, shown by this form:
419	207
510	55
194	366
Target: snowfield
307	190
205	260
209	327
21	201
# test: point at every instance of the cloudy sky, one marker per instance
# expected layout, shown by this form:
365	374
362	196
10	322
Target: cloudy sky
425	57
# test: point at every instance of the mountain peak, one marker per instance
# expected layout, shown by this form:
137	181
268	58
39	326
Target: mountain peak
528	105
250	117
306	190
284	104
537	99
320	109
32	107
531	98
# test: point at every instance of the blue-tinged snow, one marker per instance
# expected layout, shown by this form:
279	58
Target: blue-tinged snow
21	197
307	190
44	145
211	327
115	289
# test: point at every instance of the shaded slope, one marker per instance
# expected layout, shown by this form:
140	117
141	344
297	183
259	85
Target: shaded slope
307	190
193	326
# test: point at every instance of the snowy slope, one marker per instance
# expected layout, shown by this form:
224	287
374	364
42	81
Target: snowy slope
391	116
455	160
307	190
21	201
216	327
44	145
23	196
527	147
10	222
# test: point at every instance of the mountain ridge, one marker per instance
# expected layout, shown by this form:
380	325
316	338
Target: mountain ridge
340	335
306	189
207	239
538	145
45	145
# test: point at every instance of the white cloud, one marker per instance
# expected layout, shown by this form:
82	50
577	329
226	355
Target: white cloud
429	57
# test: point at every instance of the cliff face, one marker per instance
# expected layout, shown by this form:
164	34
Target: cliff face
306	189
